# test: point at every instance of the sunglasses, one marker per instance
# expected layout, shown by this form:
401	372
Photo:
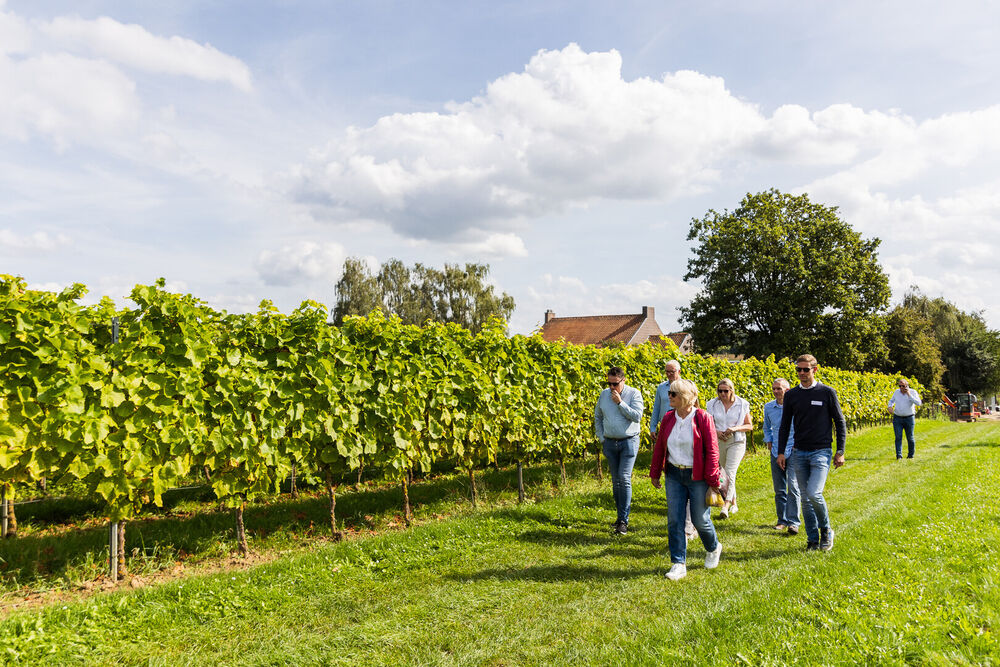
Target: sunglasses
672	394
800	369
722	391
614	384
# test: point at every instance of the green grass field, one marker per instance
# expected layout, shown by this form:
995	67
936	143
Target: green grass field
913	578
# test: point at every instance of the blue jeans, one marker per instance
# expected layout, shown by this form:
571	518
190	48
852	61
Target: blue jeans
899	425
786	505
680	488
811	469
621	459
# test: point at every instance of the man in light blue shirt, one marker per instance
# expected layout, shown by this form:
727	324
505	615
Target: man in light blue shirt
903	406
661	402
786	488
616	425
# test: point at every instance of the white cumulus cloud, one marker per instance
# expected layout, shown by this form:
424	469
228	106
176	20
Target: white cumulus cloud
565	131
301	262
34	241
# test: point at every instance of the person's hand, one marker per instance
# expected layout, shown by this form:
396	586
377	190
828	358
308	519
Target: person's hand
616	396
727	433
838	460
781	461
656	482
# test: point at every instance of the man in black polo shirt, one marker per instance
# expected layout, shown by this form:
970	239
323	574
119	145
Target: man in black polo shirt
815	411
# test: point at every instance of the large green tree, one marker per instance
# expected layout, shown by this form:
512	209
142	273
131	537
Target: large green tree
970	350
782	275
419	294
358	292
914	351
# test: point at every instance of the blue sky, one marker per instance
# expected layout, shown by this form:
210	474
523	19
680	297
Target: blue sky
242	150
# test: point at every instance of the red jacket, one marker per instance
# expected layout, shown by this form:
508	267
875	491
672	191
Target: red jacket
705	442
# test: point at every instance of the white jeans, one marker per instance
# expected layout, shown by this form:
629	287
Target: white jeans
730	456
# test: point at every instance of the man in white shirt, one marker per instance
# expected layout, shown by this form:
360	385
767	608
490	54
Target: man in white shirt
903	406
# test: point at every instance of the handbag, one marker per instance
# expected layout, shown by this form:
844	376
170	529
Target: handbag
715	498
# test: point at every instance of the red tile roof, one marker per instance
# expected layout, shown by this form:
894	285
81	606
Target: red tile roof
594	330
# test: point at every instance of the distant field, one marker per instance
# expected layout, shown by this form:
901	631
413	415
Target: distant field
913	578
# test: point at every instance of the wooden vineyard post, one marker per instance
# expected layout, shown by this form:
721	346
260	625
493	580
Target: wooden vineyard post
121	549
472	485
113	548
3	510
407	516
600	467
241	533
293	490
332	494
520	482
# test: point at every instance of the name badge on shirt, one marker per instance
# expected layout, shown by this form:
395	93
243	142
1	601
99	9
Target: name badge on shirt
817	402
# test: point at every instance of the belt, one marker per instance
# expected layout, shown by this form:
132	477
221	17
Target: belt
681	467
622	439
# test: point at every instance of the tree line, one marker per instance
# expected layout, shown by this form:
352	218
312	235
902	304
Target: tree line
779	275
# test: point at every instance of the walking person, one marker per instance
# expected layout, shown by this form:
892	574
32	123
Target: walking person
616	425
661	405
903	406
732	422
661	402
813	409
786	488
687	450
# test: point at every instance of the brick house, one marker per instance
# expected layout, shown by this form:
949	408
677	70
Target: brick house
600	330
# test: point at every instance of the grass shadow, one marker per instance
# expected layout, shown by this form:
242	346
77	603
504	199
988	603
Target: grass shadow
555	573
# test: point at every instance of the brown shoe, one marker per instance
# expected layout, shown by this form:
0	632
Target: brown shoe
793	530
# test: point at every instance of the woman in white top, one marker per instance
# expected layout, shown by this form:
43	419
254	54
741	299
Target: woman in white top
732	422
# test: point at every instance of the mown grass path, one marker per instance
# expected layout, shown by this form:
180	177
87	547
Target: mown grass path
913	578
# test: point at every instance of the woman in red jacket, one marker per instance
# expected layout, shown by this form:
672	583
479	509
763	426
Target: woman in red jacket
687	449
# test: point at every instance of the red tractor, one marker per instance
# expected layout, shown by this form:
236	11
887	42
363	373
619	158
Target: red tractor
965	407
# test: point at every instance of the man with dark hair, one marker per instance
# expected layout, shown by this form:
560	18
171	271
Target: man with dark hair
814	409
616	425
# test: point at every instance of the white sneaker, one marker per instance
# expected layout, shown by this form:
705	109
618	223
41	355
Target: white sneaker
712	558
733	509
677	571
724	513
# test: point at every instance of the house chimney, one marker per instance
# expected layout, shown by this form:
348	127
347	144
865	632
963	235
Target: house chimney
549	316
647	312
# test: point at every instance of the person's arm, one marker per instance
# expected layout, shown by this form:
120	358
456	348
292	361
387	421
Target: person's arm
746	425
599	420
653	423
841	425
659	455
768	433
632	409
915	397
892	401
784	429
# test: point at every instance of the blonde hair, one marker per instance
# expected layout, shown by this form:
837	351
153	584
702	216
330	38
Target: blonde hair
687	392
728	383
